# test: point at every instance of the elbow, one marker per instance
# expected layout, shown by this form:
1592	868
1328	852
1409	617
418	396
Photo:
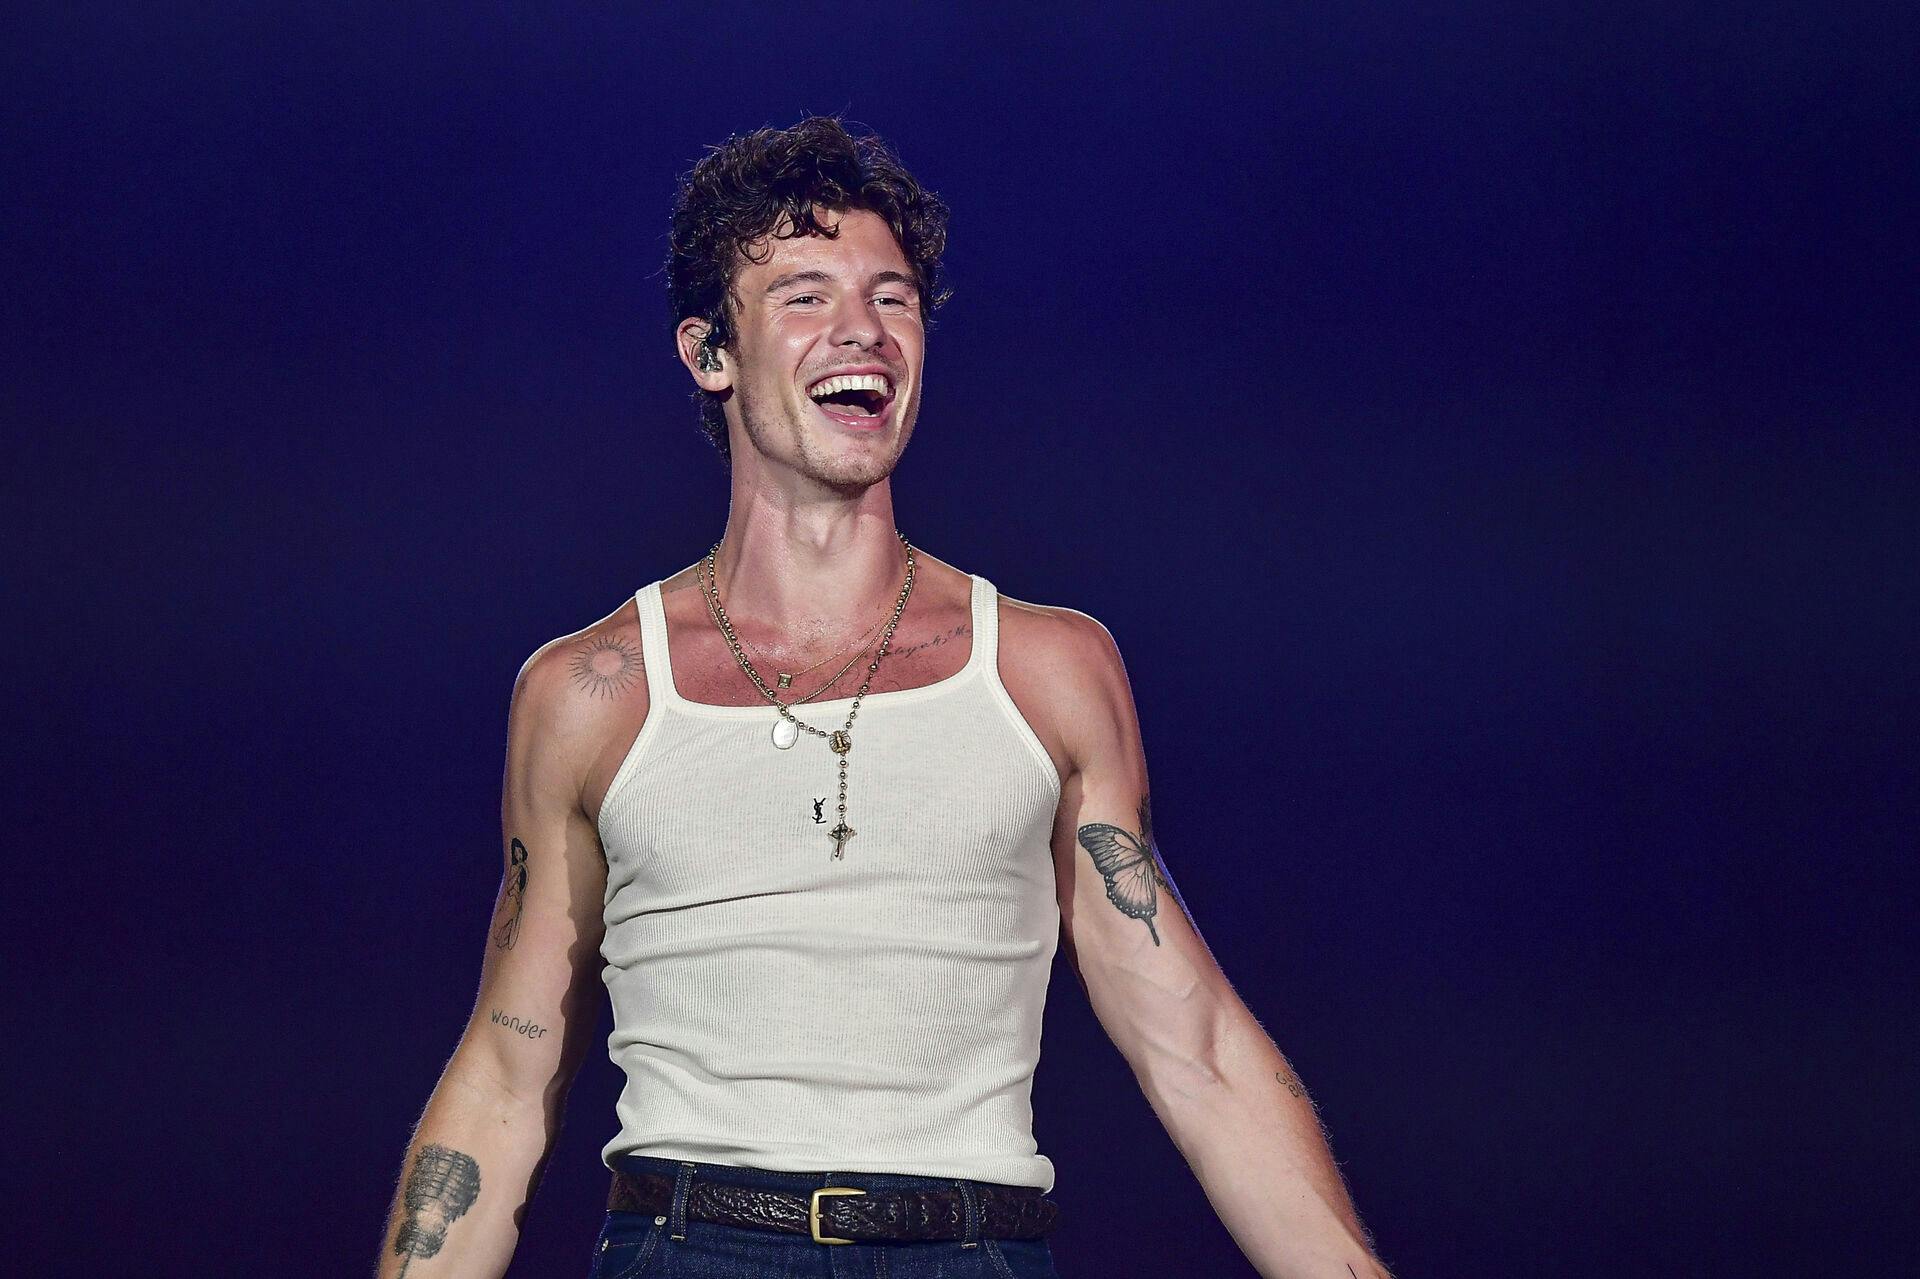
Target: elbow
1176	1048
505	1086
1186	1074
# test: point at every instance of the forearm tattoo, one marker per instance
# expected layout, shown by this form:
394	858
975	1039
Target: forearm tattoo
513	895
442	1186
1129	866
606	666
518	1025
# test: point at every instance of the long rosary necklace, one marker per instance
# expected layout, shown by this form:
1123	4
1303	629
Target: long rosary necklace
786	679
787	731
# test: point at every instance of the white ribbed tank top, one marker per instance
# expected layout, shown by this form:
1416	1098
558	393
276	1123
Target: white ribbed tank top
775	1008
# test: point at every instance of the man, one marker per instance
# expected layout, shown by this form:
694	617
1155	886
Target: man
827	966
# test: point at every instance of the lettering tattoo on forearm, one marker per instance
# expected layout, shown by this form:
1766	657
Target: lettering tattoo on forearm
1129	866
513	895
442	1186
518	1025
606	666
1291	1082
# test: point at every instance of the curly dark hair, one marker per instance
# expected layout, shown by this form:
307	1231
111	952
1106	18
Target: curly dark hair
748	185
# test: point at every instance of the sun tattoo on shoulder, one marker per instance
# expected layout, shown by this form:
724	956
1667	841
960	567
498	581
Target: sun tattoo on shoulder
606	666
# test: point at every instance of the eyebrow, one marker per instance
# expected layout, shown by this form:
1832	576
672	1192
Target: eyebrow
792	278
798	277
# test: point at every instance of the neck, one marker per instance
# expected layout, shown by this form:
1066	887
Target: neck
810	567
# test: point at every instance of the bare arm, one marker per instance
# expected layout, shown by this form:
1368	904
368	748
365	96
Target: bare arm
477	1153
1227	1097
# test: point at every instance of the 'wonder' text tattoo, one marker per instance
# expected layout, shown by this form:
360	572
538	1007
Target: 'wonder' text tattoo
518	1025
606	665
513	895
1128	865
442	1186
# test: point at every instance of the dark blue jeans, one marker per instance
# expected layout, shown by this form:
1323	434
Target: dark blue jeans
635	1245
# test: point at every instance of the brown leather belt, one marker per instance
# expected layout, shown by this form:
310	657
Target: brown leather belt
843	1214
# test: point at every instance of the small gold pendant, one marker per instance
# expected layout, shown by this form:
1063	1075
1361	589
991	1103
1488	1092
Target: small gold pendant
786	680
840	835
840	742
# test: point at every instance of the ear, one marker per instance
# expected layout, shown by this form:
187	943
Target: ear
688	341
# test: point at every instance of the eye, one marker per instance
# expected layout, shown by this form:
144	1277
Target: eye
804	297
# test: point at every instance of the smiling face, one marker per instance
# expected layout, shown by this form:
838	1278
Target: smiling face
826	357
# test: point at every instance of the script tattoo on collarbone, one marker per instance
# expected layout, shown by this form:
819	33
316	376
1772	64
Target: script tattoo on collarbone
965	628
606	665
513	895
441	1187
1129	866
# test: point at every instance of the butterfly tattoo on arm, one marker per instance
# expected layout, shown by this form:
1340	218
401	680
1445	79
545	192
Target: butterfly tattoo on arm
1128	865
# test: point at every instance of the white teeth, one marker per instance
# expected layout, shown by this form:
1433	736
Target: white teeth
851	382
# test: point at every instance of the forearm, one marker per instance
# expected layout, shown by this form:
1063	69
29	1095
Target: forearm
1248	1130
471	1168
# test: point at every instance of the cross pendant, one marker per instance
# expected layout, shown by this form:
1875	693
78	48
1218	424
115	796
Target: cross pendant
840	835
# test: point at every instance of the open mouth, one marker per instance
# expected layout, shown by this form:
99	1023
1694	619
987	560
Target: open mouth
859	399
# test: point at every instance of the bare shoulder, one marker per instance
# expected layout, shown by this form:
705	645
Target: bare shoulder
578	698
1059	642
574	679
1063	669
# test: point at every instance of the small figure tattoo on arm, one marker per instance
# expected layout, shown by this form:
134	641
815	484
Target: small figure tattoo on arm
606	665
513	896
1128	865
442	1186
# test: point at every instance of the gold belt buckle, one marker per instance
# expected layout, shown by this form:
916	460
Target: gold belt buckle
813	1212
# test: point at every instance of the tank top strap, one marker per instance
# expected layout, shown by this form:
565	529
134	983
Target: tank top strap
653	645
986	626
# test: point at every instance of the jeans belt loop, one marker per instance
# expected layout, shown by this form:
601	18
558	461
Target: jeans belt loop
970	1199
677	1215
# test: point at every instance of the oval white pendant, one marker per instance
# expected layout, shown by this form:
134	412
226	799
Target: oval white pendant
785	732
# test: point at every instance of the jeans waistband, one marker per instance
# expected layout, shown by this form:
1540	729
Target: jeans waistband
800	1182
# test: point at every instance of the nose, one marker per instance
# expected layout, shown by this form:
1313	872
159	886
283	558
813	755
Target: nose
856	323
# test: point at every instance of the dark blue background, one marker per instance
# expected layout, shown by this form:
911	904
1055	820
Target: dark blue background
1488	433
